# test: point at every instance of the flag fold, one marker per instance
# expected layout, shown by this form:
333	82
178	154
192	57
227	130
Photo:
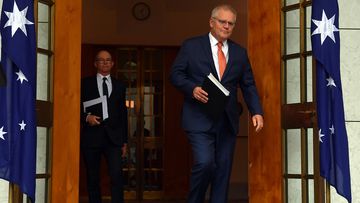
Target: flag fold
18	95
334	152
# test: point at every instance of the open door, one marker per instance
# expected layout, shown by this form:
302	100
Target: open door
158	162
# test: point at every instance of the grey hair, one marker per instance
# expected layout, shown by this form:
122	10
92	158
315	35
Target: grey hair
225	7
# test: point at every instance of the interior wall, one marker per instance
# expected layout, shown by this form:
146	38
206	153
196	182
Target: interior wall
170	21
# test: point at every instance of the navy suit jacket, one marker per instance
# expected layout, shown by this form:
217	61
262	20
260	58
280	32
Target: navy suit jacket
116	126
193	63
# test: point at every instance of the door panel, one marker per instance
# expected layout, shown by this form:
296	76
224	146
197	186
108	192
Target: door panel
298	115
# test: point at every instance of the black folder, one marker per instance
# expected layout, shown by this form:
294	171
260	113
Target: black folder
97	107
95	110
217	97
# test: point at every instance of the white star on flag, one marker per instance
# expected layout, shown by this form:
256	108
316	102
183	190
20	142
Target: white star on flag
22	125
331	82
17	20
2	133
325	27
21	77
332	130
320	136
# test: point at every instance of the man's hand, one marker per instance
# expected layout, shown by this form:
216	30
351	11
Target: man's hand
200	94
124	151
258	122
93	120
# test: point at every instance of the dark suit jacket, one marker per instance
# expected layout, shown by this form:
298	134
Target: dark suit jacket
115	127
193	63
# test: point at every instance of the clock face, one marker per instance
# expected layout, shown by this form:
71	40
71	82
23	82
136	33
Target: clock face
141	11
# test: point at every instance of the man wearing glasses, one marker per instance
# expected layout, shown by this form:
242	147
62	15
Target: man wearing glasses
213	139
104	132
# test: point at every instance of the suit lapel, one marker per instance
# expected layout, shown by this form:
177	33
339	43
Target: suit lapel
113	86
207	48
95	87
231	57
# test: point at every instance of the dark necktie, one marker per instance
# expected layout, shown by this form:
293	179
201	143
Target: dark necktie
105	88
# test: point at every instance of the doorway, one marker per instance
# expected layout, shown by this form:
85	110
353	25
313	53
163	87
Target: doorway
153	127
141	69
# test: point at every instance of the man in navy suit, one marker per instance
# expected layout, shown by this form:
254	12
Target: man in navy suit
213	140
104	135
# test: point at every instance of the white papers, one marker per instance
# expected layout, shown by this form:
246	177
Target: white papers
103	101
218	84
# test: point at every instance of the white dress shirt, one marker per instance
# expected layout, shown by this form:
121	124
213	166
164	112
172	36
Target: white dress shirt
214	49
99	79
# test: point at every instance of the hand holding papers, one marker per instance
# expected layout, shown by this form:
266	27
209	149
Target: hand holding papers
217	94
97	107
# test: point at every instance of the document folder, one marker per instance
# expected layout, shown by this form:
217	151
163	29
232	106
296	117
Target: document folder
218	96
97	107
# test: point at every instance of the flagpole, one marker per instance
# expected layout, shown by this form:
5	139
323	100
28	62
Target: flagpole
15	194
327	188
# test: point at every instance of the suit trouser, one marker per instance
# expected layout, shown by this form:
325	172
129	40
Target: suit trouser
92	157
213	154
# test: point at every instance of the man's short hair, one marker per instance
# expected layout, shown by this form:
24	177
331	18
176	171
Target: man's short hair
225	7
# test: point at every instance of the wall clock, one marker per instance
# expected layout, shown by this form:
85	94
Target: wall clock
141	11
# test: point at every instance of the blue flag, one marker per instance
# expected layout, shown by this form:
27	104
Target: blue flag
18	95
334	152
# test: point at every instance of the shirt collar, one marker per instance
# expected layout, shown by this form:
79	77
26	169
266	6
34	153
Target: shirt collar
99	76
214	41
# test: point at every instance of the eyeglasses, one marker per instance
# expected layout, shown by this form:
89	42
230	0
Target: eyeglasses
224	22
102	61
